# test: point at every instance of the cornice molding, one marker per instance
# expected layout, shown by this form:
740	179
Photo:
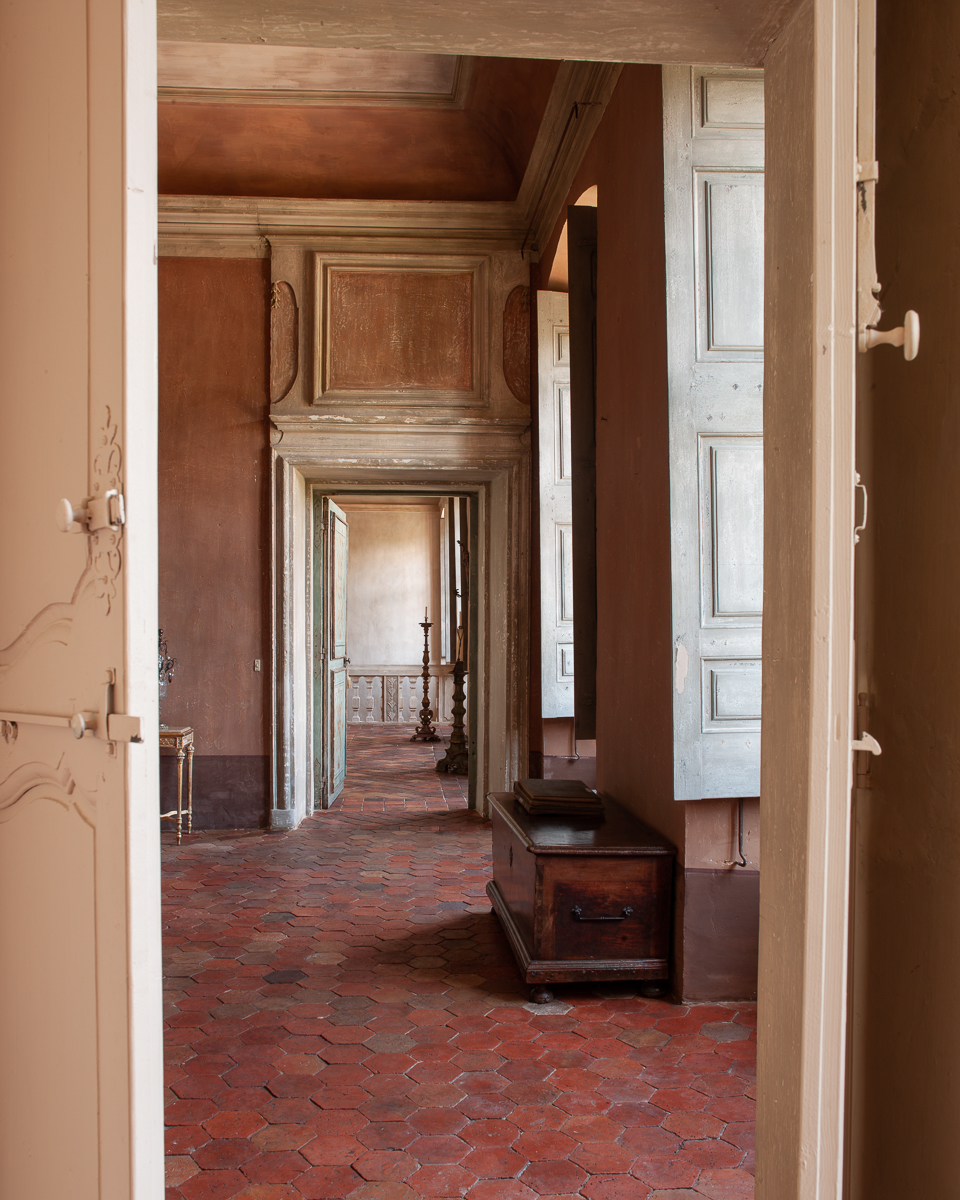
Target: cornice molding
247	226
303	98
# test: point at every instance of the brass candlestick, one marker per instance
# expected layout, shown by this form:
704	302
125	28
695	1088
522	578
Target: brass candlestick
426	731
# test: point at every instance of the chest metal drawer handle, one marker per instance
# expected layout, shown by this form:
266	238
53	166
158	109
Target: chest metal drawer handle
577	913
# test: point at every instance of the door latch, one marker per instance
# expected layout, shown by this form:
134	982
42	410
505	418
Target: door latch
868	743
100	512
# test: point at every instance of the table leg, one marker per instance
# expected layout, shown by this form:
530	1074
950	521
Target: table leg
180	757
190	789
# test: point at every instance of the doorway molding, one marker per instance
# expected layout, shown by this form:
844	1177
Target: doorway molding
490	460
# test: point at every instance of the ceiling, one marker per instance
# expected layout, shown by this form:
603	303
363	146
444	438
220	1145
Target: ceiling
262	120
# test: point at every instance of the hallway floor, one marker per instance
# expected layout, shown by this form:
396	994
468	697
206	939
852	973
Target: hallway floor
344	1018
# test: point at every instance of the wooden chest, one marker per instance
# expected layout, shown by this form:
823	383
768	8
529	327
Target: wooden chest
580	900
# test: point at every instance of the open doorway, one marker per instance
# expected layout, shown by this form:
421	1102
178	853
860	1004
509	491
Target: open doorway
393	637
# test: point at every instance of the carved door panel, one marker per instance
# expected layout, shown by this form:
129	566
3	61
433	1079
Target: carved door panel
556	513
335	649
80	1017
713	200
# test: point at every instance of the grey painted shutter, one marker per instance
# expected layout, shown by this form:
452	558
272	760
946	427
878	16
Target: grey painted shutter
556	518
713	202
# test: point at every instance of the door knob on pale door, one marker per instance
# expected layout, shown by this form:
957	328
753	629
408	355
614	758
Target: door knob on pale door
906	335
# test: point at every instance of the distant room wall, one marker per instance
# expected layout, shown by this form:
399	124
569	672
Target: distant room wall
393	576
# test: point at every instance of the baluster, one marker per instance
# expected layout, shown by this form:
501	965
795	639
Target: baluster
391	692
355	700
369	700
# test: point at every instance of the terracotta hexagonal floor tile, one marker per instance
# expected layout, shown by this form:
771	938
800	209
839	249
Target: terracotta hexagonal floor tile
601	1158
501	1189
327	1183
222	1154
178	1168
441	1181
494	1163
439	1121
617	1187
552	1177
385	1165
213	1185
328	1150
437	1150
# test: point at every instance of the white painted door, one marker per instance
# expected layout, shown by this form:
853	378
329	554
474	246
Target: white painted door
80	1015
713	201
335	648
556	516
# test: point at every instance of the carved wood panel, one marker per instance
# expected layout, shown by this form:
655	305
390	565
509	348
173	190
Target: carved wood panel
284	340
516	343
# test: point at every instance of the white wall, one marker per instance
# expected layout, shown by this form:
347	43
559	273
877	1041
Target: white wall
393	574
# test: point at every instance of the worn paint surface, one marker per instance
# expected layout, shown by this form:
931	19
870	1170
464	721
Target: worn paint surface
404	330
214	497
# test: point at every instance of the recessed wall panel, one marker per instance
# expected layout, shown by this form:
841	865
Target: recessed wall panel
403	330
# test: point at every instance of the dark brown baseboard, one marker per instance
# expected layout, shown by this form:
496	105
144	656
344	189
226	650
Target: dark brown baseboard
721	927
230	791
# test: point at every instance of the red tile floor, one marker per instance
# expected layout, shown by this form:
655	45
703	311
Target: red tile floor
344	1018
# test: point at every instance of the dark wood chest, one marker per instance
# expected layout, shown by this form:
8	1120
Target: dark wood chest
579	899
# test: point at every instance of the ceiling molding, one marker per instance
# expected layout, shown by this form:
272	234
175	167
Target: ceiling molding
245	226
303	98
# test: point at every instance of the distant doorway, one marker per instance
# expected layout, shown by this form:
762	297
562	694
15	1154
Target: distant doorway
391	619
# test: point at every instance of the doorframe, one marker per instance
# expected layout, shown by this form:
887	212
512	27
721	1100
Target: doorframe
490	463
315	578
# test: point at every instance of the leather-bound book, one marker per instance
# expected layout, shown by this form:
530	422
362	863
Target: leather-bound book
567	797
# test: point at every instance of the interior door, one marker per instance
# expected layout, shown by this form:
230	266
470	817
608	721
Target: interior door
556	516
713	201
334	651
80	1016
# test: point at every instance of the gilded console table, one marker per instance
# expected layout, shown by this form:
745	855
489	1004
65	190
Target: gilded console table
181	740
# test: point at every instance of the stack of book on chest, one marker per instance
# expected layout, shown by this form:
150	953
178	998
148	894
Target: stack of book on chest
557	797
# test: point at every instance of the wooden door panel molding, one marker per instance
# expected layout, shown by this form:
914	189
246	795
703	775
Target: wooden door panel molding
39	781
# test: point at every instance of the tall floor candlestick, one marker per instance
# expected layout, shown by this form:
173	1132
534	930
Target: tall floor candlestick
426	731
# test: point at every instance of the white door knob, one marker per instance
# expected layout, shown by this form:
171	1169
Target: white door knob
70	519
906	335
